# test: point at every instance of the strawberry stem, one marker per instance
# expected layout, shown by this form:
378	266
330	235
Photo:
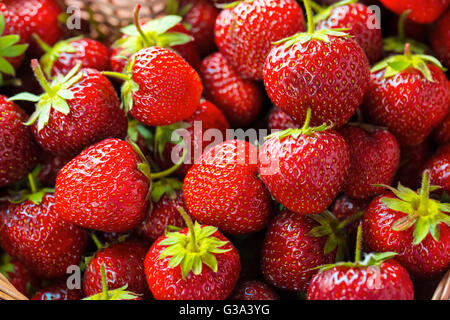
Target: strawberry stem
193	244
407	52
41	77
117	75
171	170
307	120
401	24
44	46
424	192
104	284
97	242
310	17
32	183
145	39
358	244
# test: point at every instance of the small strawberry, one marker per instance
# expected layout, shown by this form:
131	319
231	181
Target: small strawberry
441	135
74	111
240	100
196	263
412	160
345	206
414	226
409	95
19	151
58	291
245	32
222	189
422	11
323	70
374	158
280	120
18	275
304	169
438	167
106	187
253	290
440	38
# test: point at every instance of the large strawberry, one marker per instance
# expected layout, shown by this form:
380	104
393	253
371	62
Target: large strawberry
246	30
75	110
18	275
409	95
58	291
222	189
196	263
360	21
422	11
19	151
374	158
323	70
304	169
440	38
412	225
106	187
239	99
253	290
439	168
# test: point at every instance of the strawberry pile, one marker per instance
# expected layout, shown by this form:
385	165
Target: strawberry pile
116	157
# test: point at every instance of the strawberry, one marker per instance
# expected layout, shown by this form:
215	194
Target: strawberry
374	158
19	151
240	100
222	189
253	290
196	263
245	32
345	206
441	135
414	226
304	169
74	111
58	291
160	88
50	167
438	167
440	38
124	265
18	275
187	51
409	95
355	17
412	160
280	120
422	11
323	70
106	187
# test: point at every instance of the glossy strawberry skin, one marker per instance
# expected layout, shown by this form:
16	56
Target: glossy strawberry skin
222	189
345	206
94	115
338	70
374	158
124	264
39	239
389	281
102	188
439	168
21	278
13	25
58	291
288	254
253	290
245	33
169	88
166	283
407	104
240	100
412	160
355	17
440	38
280	120
307	173
19	151
422	11
425	260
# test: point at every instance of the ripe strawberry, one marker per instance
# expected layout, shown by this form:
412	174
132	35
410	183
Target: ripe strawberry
222	189
323	70
280	120
245	32
345	206
412	225
196	263
412	160
19	152
124	265
50	167
253	290
74	111
304	169
422	11
104	188
374	158
58	291
440	38
438	167
18	275
441	135
355	17
409	95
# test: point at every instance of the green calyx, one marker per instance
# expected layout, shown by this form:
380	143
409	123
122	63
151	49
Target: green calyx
396	64
167	186
190	251
55	96
422	212
34	193
136	129
166	134
5	265
173	8
323	13
8	49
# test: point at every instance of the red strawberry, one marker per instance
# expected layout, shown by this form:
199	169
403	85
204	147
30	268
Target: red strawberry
253	290
323	70
187	51
304	169
222	189
439	168
50	167
412	160
245	32
19	152
58	291
240	100
374	158
196	263
412	225
18	275
280	120
409	95
74	111
124	265
441	135
345	207
422	11
104	188
355	17
440	38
